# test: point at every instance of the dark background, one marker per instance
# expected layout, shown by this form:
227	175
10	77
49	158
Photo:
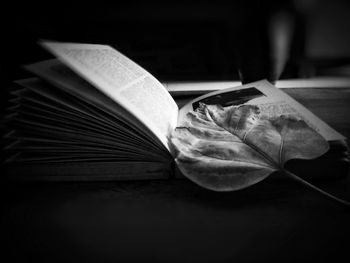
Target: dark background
187	40
173	221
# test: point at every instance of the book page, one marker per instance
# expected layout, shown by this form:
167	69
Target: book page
271	101
123	81
56	73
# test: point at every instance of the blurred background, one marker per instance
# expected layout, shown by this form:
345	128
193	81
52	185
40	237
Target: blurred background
189	40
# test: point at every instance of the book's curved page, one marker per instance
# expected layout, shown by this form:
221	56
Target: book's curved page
68	112
56	73
123	81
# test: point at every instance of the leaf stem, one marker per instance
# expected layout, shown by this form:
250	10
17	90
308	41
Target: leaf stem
315	188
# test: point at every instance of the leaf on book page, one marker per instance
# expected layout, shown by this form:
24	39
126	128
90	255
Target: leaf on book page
225	149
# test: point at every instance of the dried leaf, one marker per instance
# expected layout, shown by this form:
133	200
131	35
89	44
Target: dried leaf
230	148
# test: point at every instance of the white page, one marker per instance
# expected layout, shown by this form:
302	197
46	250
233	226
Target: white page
271	100
61	76
124	81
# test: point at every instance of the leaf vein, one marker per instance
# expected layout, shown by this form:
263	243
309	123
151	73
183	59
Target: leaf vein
281	150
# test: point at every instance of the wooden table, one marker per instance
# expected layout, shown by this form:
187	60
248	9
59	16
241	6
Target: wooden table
177	221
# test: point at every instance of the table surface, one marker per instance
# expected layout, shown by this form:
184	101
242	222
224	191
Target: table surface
177	221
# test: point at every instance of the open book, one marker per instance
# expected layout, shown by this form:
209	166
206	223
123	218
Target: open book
93	114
